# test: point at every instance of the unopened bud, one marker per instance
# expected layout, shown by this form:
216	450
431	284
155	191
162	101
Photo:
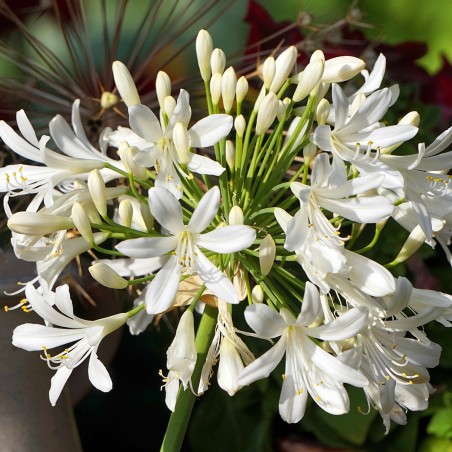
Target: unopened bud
240	125
215	88
228	85
266	113
217	61
162	87
81	222
180	140
106	276
37	223
169	104
236	215
342	68
204	49
309	152
284	65
125	212
125	84
268	71
257	294
309	80
410	119
267	254
96	186
230	154
414	241
241	89
127	155
322	112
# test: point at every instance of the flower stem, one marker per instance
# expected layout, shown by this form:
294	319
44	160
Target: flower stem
178	423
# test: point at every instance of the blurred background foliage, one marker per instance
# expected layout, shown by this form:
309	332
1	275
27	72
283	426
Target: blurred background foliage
133	415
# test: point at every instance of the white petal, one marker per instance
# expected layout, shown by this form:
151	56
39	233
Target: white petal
292	400
228	239
265	321
144	123
311	305
18	144
204	165
210	130
214	279
63	300
166	209
163	288
98	374
344	327
147	247
135	267
262	366
26	129
32	337
371	277
205	210
57	383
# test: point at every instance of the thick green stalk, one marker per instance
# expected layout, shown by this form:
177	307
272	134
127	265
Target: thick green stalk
178	423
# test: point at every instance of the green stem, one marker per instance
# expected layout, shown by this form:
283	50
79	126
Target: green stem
178	423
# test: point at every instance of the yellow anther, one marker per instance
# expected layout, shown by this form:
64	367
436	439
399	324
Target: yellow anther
300	391
283	376
387	377
6	308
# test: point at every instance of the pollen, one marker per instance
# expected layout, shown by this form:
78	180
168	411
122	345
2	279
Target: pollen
300	391
283	376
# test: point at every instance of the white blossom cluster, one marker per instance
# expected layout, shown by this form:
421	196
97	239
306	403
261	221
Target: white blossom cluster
259	203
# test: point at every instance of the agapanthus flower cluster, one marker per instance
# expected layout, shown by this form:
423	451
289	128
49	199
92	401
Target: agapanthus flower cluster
259	202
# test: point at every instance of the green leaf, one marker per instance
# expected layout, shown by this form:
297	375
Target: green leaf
440	424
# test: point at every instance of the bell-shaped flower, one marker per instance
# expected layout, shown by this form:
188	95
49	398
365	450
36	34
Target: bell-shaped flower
309	368
184	243
63	327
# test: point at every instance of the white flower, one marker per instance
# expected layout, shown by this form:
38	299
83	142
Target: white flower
309	368
181	358
65	328
157	146
184	243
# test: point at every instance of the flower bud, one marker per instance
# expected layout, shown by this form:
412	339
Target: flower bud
268	71
414	241
147	217
309	80
180	140
125	212
162	87
342	68
322	112
127	155
81	222
241	89
125	84
204	49
217	61
38	223
240	125
410	119
236	215
267	253
309	152
284	65
96	186
257	294
282	107
260	98
108	100
266	113
229	366
230	154
169	104
215	88
228	85
106	276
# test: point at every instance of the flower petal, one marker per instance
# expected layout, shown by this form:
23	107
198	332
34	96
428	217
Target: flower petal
144	123
205	210
57	383
163	288
265	321
98	373
148	247
204	165
214	279
166	209
228	239
262	366
209	130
